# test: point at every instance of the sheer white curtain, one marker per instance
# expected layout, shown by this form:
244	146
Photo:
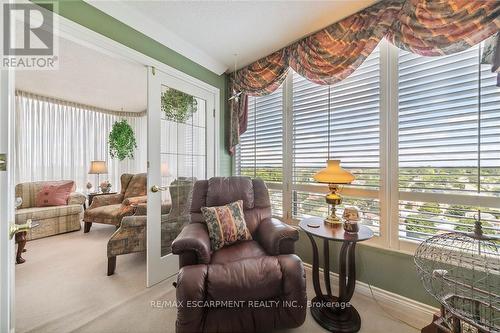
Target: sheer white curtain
57	140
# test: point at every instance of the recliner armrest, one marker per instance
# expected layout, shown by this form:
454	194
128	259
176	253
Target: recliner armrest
276	237
106	200
193	239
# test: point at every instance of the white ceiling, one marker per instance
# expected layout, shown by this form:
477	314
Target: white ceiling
208	32
89	77
211	32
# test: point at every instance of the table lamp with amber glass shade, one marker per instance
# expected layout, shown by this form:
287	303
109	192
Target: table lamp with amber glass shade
333	175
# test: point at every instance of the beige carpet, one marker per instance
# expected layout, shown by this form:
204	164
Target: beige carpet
63	287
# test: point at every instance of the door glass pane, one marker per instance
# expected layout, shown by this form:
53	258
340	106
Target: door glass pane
183	159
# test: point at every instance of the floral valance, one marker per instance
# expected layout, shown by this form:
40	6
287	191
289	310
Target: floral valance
439	27
425	27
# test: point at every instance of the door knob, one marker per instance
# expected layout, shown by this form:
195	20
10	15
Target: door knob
156	188
17	228
3	162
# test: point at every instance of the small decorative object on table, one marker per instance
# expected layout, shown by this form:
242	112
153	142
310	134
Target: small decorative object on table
105	186
88	186
351	218
333	175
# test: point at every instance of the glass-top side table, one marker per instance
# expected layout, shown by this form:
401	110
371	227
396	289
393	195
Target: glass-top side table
335	313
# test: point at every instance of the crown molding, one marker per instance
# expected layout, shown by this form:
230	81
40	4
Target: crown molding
140	22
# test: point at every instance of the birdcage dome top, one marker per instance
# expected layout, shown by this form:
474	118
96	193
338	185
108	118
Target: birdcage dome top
462	271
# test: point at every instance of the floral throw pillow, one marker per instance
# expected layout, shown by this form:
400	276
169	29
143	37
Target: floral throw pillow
226	224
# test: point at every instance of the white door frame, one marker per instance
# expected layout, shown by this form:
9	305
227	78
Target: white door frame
7	247
161	267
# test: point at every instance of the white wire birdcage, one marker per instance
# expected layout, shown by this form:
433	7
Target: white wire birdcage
462	271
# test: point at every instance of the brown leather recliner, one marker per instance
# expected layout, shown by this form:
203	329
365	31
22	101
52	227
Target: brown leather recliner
251	286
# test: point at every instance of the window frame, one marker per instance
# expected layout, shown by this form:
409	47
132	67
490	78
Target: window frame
388	194
381	194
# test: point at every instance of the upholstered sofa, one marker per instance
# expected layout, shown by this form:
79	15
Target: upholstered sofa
49	220
131	235
110	209
260	271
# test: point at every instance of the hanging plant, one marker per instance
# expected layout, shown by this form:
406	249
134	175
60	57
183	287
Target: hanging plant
122	141
178	106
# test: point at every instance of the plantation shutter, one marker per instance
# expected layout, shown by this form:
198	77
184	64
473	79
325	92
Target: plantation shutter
259	154
260	150
338	122
449	143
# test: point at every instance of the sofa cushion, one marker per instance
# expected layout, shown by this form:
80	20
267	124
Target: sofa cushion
27	191
226	224
54	194
239	251
224	190
245	280
41	213
137	186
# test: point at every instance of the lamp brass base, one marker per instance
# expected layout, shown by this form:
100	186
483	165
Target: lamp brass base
333	220
333	198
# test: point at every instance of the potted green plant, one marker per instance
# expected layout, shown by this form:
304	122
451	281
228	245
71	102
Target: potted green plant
178	106
122	141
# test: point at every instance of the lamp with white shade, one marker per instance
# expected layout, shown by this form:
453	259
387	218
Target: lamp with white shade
333	175
98	168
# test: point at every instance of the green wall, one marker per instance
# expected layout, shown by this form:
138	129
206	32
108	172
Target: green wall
92	18
389	270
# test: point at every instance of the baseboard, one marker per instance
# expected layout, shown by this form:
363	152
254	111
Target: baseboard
405	309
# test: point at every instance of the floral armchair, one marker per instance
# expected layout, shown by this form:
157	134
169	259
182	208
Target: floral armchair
110	209
131	235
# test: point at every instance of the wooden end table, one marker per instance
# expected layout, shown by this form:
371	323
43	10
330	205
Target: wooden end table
20	239
21	243
335	313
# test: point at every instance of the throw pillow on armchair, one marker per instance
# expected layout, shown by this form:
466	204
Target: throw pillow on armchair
226	224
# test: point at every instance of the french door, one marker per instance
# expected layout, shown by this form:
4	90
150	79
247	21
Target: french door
181	150
6	202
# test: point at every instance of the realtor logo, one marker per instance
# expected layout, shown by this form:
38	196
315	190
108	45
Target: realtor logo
28	36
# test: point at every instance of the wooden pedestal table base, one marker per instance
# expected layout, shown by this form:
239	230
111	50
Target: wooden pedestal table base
335	313
21	243
21	238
